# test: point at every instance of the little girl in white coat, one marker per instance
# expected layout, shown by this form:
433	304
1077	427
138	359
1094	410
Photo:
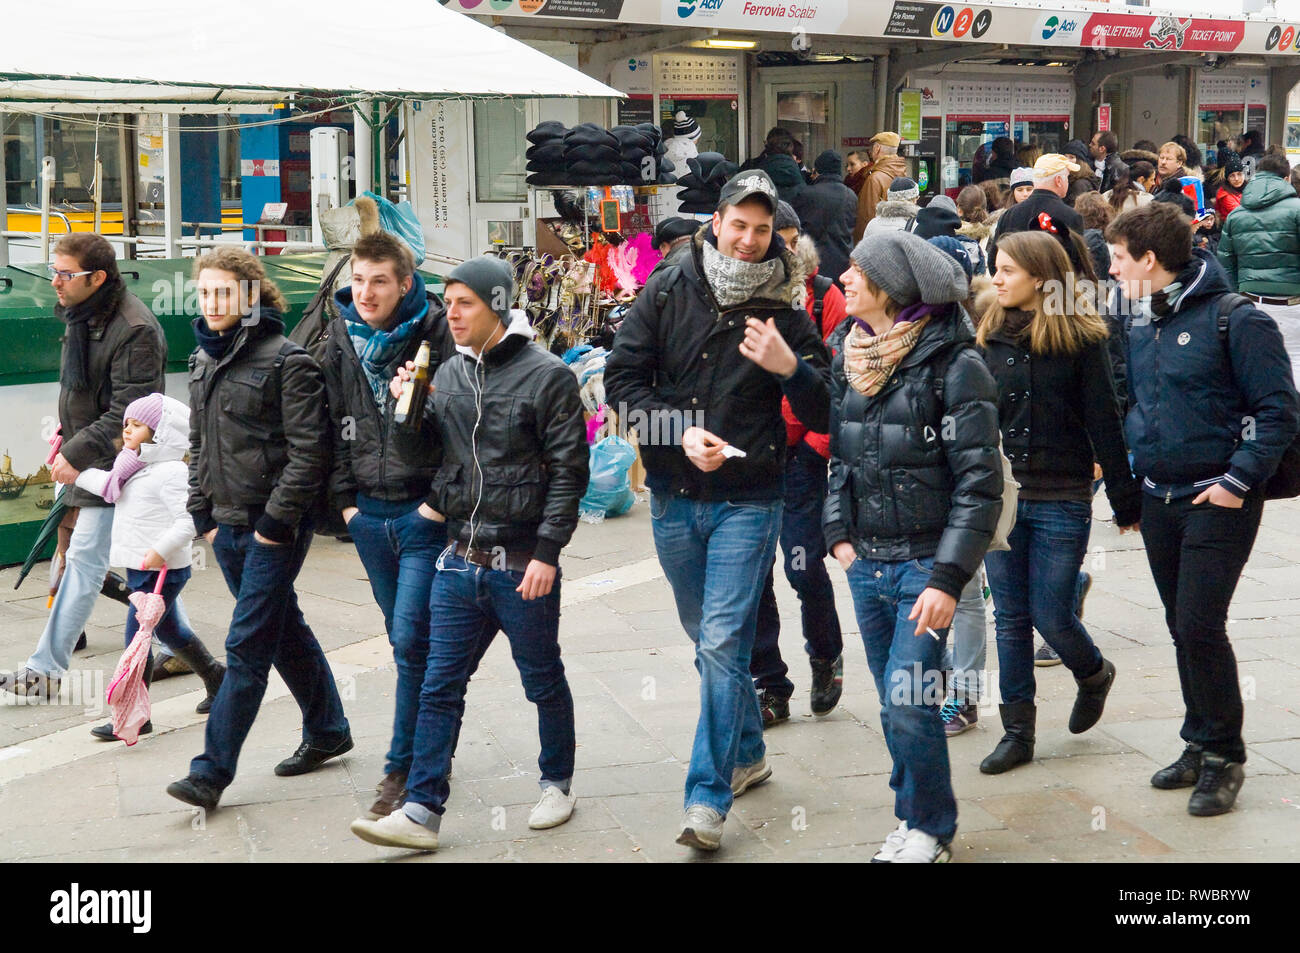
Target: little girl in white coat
152	528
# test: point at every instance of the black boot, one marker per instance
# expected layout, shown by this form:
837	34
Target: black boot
105	732
195	654
1017	744
1091	700
1183	773
1217	787
115	588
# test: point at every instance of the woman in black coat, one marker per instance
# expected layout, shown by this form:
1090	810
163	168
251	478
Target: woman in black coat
1047	349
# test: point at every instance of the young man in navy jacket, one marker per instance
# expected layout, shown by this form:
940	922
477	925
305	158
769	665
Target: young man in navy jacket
1211	412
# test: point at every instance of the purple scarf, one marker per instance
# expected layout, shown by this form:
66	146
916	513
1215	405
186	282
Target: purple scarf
127	465
913	313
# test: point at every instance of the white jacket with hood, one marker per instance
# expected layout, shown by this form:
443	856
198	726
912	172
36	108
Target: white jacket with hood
151	513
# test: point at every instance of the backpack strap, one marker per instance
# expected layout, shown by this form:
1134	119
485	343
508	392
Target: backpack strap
940	370
821	285
1228	302
668	279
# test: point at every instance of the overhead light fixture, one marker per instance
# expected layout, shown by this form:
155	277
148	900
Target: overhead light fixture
719	44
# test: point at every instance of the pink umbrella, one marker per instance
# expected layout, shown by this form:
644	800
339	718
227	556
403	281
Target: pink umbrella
128	699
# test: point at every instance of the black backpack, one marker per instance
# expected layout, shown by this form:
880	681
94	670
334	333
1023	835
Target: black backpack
313	329
821	285
1284	484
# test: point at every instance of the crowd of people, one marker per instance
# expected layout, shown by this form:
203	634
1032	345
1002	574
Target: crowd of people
931	394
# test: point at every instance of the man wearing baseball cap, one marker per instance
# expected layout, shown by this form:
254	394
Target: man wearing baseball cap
886	166
700	364
1051	182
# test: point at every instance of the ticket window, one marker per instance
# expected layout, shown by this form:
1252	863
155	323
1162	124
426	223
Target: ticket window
1216	124
1048	135
962	140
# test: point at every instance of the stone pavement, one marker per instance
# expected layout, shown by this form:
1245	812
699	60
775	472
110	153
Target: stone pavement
65	796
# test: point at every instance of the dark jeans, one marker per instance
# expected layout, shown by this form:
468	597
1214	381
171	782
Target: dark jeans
1197	553
267	629
1034	586
804	548
908	670
399	549
467	607
170	630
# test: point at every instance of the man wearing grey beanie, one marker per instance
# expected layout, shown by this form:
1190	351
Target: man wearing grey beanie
915	496
515	463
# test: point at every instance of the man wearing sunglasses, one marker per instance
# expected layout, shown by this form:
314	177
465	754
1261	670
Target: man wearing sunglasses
113	352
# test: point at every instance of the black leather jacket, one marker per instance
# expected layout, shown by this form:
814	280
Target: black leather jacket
515	456
257	426
676	363
914	475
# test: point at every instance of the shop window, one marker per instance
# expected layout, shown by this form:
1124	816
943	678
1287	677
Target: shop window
807	114
499	143
718	119
73	141
18	141
1216	124
232	180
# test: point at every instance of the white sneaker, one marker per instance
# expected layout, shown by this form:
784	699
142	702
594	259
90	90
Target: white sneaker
920	848
744	777
395	830
701	828
553	809
891	845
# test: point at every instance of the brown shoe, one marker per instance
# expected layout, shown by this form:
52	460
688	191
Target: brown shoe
392	795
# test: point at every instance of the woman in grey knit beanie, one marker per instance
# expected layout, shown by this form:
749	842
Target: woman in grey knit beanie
915	495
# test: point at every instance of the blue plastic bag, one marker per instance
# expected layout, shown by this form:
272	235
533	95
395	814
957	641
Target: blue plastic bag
609	491
400	220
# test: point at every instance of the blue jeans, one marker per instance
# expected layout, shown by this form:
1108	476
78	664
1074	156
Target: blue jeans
967	652
399	548
172	630
909	679
467	607
267	629
1035	585
715	556
804	548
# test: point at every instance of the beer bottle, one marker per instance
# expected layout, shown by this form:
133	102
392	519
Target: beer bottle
410	406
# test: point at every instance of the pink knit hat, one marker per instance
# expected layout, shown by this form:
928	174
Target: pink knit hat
148	410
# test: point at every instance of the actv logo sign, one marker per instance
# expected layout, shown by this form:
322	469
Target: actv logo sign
1057	29
687	7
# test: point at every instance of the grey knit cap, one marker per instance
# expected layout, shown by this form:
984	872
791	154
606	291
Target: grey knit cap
1022	176
909	269
785	217
491	279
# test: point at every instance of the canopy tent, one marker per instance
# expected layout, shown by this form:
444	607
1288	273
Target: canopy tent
164	56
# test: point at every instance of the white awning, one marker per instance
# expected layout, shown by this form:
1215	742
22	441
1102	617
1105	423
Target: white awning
209	57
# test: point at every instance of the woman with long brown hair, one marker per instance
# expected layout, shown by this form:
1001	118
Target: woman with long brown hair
1045	345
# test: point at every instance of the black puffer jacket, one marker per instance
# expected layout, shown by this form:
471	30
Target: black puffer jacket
512	475
677	363
257	431
1059	413
913	476
126	357
370	456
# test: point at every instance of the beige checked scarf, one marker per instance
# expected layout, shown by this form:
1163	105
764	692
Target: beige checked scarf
869	361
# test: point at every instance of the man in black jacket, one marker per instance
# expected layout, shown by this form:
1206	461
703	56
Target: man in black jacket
113	352
1212	409
515	464
257	464
828	210
1051	184
699	366
1104	148
381	474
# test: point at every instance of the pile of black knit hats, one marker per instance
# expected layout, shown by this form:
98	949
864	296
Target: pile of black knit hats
546	154
591	155
702	186
642	159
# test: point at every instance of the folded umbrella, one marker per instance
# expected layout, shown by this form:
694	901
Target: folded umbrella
128	698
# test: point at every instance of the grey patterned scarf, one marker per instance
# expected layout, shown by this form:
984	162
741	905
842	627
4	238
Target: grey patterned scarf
734	281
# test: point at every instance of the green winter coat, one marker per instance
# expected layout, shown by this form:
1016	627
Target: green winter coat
1260	245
